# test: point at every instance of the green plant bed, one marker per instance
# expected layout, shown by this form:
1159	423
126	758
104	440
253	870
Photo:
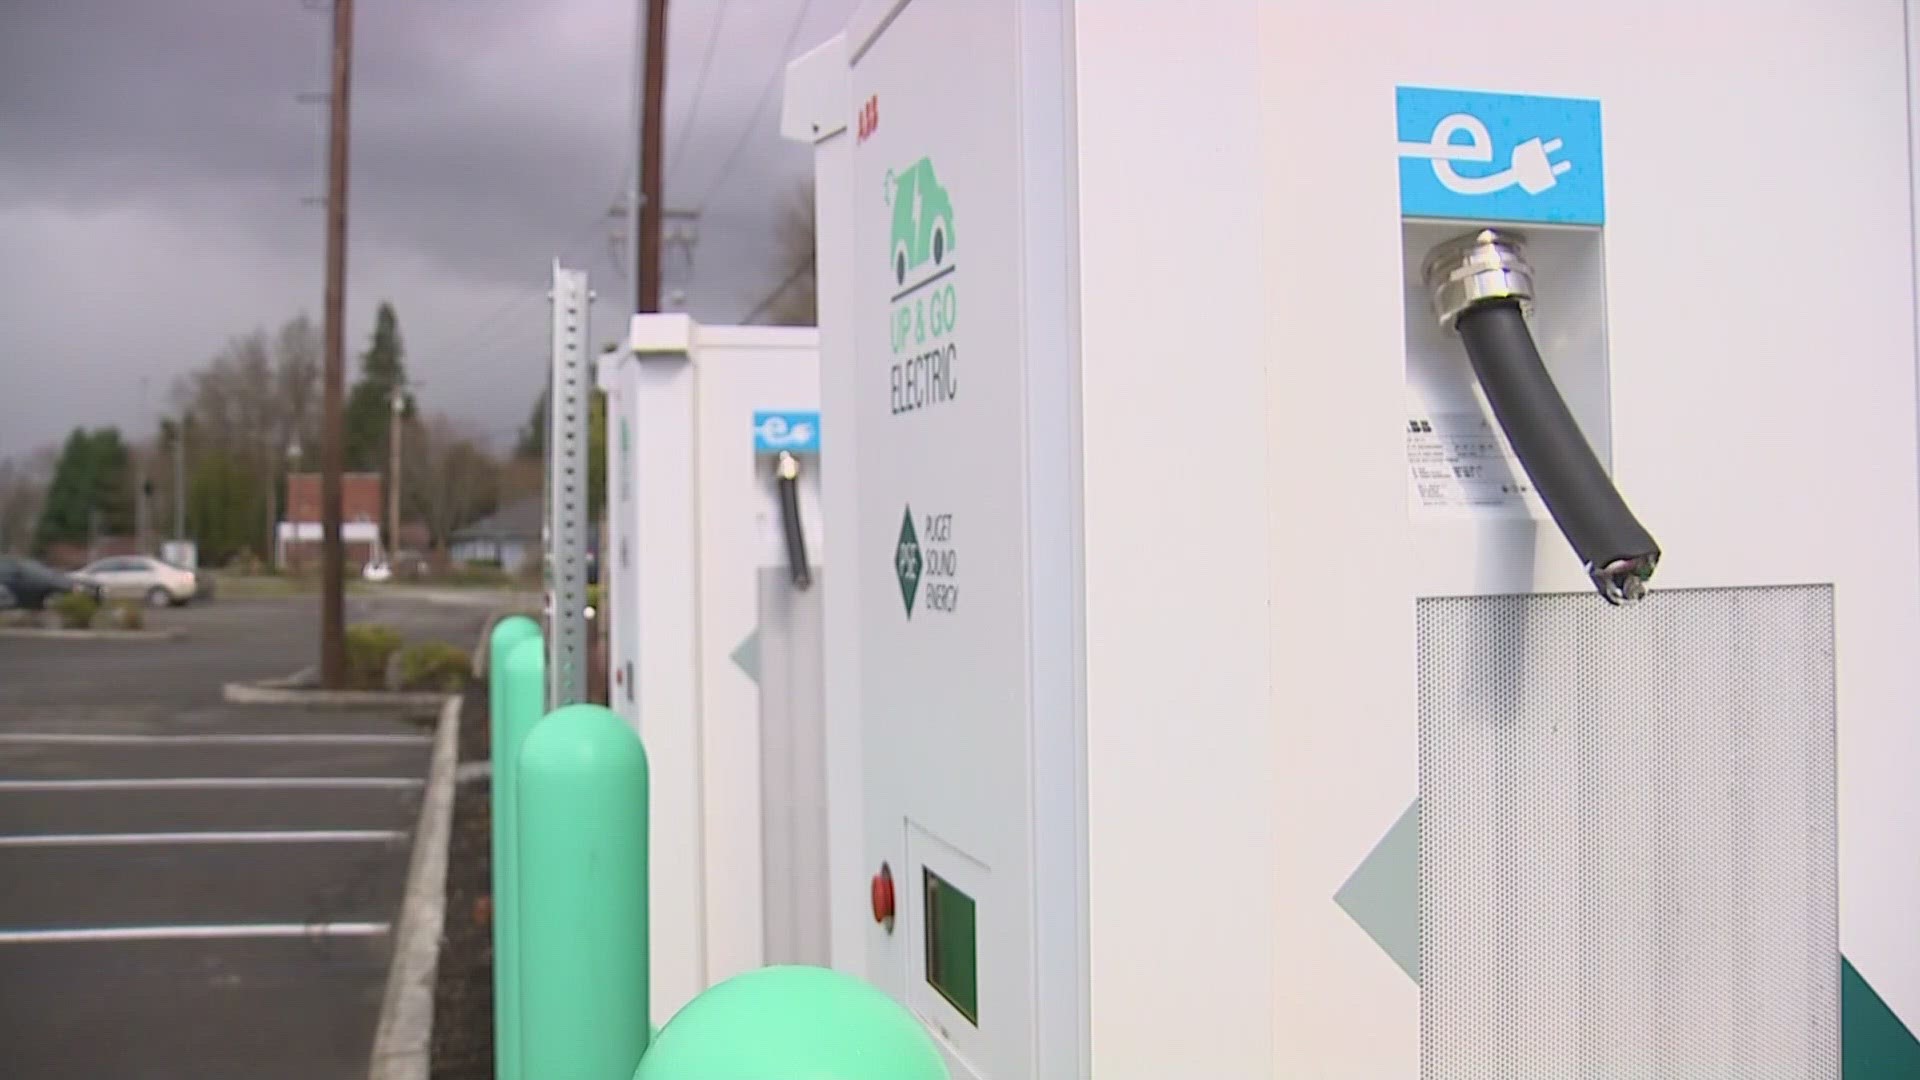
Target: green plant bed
434	665
128	616
369	646
76	610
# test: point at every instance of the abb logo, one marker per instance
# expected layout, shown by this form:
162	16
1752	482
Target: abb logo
869	117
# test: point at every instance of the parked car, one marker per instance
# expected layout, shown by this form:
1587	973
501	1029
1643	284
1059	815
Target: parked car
6	598
158	583
32	582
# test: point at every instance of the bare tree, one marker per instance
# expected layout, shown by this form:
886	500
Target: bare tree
255	397
794	301
232	398
450	478
23	488
296	382
253	401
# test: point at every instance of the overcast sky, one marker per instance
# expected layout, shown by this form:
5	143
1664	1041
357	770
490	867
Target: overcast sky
154	157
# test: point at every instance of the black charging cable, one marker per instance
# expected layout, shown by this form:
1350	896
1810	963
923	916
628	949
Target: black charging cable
788	472
1482	286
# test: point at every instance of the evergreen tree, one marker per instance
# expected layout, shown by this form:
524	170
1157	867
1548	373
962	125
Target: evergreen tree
532	440
224	506
531	444
92	478
369	409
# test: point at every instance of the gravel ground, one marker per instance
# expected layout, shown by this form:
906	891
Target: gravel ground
463	993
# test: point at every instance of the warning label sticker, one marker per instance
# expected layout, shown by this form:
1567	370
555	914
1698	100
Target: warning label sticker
1460	460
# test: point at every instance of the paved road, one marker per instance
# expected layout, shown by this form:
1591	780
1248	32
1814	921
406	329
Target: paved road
147	928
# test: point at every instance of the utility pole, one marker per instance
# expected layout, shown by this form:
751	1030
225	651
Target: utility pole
333	652
394	428
646	267
142	483
180	480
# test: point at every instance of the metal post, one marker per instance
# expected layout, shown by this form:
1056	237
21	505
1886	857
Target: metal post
584	963
516	699
333	650
567	422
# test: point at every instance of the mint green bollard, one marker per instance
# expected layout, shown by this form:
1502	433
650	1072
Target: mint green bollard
583	897
517	699
782	1022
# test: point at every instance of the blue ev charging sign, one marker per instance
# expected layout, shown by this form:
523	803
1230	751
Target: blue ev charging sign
1499	157
794	431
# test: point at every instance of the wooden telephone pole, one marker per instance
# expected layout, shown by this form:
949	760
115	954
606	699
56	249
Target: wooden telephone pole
646	262
333	646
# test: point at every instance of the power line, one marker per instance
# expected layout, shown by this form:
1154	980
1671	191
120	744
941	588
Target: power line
766	94
699	91
780	290
491	321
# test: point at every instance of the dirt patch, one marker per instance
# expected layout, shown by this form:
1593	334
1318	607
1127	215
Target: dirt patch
463	991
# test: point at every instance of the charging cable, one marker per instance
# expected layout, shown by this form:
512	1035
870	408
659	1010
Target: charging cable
787	470
1483	287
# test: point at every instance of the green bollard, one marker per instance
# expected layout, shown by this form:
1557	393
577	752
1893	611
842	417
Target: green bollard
792	1022
518	698
583	897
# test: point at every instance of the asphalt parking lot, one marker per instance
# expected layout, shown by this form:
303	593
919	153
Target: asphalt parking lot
190	888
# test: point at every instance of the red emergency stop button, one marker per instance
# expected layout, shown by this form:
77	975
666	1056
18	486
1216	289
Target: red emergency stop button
883	897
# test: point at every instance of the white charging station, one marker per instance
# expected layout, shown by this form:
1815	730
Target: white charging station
714	545
1228	697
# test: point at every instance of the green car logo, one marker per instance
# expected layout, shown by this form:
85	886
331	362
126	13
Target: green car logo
922	221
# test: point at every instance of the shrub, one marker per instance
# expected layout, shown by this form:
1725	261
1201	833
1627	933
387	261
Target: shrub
76	610
128	616
369	646
434	665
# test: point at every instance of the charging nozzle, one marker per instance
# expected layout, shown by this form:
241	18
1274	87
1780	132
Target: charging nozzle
1483	288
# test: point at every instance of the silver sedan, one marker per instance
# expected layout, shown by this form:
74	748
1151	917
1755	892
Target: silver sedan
160	584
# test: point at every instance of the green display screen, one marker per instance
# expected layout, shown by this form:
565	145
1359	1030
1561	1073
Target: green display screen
952	967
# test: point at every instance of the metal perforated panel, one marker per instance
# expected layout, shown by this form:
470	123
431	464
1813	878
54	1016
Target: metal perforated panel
793	772
1627	837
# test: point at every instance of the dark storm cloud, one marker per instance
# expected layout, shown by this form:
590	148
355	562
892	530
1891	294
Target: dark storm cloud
153	159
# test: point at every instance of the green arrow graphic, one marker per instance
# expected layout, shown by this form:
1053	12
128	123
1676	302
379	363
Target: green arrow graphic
1383	895
746	655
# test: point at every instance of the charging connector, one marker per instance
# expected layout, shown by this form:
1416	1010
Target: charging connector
1483	287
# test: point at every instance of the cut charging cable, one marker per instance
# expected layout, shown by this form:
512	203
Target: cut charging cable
1482	287
787	470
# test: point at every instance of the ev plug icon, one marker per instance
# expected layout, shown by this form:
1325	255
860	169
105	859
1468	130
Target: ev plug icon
1530	164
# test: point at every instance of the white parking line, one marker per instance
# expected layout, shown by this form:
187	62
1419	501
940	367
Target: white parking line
182	933
150	783
287	836
57	738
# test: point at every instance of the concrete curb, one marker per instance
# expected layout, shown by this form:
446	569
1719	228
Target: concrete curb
170	634
278	692
494	599
403	1041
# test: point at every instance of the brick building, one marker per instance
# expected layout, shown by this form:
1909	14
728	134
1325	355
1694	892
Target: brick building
362	508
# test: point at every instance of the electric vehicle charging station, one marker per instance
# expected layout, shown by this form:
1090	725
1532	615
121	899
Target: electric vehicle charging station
715	538
1256	670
